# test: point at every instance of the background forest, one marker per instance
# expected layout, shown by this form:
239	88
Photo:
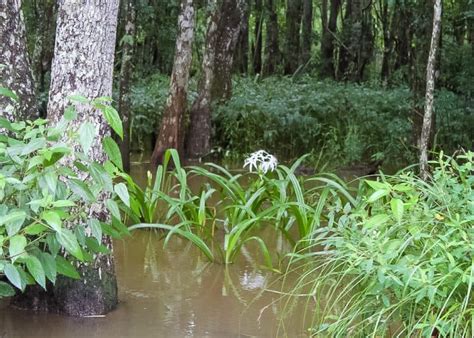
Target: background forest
343	80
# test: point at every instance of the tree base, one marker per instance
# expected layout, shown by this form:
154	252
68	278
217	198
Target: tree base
94	294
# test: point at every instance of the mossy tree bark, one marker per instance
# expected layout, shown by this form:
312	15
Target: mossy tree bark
83	64
430	86
15	68
171	133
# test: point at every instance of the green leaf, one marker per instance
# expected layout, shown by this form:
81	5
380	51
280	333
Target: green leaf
49	265
65	268
113	208
101	176
376	221
87	133
33	145
14	276
80	188
78	98
113	151
53	220
35	229
35	268
6	290
377	195
397	208
13	221
51	180
63	204
70	113
67	239
96	229
113	119
17	247
8	93
122	192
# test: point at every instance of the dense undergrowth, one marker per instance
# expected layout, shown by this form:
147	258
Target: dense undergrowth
343	122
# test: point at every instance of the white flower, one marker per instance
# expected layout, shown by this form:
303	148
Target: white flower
261	160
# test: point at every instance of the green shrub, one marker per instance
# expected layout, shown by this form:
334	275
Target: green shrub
401	261
44	210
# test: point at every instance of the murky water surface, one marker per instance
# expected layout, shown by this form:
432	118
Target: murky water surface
174	292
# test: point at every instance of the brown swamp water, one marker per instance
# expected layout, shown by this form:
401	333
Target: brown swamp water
176	292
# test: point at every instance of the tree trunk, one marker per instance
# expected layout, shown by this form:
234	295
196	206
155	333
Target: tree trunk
125	77
292	45
272	49
198	140
258	43
171	129
430	86
242	60
15	69
83	64
307	31
229	28
328	35
385	19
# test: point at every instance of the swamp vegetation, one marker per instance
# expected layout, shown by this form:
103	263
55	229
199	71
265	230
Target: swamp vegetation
312	230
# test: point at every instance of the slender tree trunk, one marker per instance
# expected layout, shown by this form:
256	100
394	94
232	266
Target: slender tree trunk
15	69
307	31
292	45
430	86
329	33
198	140
125	78
258	43
385	19
243	43
83	64
171	134
272	49
229	28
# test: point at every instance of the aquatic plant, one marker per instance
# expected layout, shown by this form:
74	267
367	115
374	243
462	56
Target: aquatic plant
399	261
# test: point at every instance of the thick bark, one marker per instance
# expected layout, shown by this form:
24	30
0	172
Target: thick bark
15	69
272	49
198	139
307	31
125	79
258	43
171	130
83	64
229	28
430	86
242	52
292	43
328	36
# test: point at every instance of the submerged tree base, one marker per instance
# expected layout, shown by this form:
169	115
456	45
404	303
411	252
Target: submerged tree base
94	294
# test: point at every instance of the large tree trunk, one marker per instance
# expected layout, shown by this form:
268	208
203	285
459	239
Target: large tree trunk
215	83
83	64
292	44
198	140
307	31
242	52
430	86
258	37
328	36
171	134
125	79
272	49
229	28
385	18
15	70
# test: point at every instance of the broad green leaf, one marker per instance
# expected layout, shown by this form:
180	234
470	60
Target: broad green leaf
377	195
49	265
113	208
96	229
376	185
14	276
78	98
35	229
13	221
51	180
113	119
113	151
397	208
17	247
8	93
67	239
33	145
122	192
35	268
70	113
87	133
65	268
63	204
80	188
376	221
6	290
101	176
53	220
